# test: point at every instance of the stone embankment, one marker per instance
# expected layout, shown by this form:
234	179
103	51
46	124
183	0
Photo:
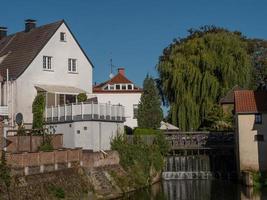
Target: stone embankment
99	176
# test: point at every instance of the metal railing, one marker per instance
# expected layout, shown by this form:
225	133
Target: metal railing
3	110
85	111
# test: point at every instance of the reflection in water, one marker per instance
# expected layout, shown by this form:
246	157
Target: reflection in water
198	190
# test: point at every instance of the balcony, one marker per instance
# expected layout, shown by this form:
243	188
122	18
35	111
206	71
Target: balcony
3	110
85	112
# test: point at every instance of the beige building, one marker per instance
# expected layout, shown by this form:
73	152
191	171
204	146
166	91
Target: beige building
251	130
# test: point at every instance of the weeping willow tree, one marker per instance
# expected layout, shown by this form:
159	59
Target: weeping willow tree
195	72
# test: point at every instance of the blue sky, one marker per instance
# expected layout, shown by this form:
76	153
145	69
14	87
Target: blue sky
134	33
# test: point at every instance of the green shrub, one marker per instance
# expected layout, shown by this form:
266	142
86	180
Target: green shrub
146	131
57	192
38	108
46	144
82	97
138	158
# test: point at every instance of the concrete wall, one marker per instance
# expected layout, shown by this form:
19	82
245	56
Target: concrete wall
31	144
90	135
24	87
251	153
125	99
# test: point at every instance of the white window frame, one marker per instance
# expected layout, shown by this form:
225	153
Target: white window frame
111	87
72	62
64	36
47	63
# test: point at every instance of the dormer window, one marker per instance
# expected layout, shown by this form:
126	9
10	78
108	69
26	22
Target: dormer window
111	87
62	37
123	87
118	87
130	87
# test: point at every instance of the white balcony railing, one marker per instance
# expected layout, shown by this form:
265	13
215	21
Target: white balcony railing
3	110
85	111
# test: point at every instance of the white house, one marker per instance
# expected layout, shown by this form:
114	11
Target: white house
48	59
120	90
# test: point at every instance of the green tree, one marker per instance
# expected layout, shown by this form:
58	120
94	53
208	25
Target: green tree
82	97
196	71
5	176
149	114
38	108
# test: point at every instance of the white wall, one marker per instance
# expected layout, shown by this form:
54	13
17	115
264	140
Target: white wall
34	74
125	99
97	136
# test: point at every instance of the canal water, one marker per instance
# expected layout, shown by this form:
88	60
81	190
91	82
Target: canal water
198	190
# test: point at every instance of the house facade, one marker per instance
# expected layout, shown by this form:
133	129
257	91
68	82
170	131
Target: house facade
48	59
251	130
120	90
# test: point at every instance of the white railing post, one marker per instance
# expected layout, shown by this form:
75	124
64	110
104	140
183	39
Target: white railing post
71	111
65	112
82	109
58	113
46	113
92	109
106	110
98	110
52	113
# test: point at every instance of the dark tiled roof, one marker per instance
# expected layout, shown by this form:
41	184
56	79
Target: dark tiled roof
21	48
118	79
248	101
229	97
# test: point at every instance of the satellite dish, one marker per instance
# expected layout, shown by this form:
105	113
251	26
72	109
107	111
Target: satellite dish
19	118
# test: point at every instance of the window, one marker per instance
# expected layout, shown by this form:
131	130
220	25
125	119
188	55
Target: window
130	87
111	87
118	87
135	109
258	137
72	65
258	119
123	87
63	37
47	62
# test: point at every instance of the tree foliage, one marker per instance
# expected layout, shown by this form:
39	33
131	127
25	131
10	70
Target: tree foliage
38	108
195	72
82	97
149	114
258	51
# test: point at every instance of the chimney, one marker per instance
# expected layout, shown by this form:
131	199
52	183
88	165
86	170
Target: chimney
121	71
29	24
3	32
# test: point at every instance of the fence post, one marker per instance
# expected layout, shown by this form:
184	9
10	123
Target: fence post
92	109
58	112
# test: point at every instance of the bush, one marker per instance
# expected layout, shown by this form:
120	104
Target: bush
57	192
38	108
138	158
47	144
82	97
146	131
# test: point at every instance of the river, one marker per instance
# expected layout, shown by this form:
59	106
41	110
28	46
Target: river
198	190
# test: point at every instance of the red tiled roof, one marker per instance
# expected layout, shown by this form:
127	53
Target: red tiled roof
248	101
118	79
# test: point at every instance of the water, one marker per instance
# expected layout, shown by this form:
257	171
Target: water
198	190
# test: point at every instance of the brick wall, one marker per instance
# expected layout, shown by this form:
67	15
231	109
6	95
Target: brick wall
31	143
37	162
98	159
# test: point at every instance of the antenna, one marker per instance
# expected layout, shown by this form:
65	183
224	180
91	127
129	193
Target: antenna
111	69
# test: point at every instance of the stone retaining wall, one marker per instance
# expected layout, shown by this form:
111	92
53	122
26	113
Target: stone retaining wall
39	162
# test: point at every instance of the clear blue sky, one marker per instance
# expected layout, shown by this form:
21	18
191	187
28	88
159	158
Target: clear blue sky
134	33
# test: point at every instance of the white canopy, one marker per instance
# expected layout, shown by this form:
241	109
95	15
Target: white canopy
59	89
167	126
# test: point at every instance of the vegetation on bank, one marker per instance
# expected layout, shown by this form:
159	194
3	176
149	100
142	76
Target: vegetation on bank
142	161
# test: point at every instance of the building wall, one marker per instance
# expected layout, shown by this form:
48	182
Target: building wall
252	154
125	99
23	88
90	135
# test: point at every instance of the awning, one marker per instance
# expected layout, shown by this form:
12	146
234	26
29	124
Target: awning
59	89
